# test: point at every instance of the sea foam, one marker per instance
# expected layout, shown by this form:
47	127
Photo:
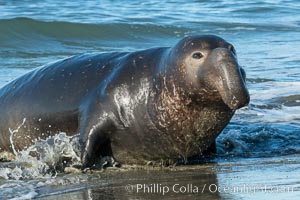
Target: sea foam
44	159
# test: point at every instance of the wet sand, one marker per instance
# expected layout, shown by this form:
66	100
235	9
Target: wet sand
252	178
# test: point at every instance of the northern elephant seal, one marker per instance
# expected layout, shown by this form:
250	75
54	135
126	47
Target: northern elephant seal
155	104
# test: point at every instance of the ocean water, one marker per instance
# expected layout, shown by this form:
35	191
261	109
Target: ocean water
261	145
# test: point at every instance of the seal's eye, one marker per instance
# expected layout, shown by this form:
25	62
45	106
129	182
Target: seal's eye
197	55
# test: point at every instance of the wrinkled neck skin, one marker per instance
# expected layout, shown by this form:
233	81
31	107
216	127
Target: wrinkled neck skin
190	125
172	98
173	76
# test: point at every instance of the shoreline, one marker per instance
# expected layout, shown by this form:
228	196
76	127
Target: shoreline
244	178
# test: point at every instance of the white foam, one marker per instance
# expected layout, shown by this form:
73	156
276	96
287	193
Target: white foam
270	90
282	114
52	153
29	195
285	114
18	190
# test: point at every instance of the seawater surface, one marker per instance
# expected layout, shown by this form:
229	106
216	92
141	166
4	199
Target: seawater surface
259	148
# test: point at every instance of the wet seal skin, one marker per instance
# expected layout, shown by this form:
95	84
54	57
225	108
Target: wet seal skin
130	107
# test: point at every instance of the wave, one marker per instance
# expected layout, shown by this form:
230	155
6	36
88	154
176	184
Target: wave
26	29
258	140
290	100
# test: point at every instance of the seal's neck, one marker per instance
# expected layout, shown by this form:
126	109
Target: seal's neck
172	97
170	77
187	126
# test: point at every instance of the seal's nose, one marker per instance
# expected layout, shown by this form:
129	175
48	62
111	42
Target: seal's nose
231	84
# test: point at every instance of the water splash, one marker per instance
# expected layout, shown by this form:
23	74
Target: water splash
44	159
12	132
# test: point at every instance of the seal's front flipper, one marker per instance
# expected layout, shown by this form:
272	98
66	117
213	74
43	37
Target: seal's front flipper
106	161
95	146
94	137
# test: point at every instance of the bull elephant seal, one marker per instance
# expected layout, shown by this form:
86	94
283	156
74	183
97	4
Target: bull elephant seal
157	104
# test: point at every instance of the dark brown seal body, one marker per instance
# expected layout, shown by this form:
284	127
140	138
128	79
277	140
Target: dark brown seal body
156	104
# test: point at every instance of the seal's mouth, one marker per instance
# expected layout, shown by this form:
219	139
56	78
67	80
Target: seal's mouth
235	103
